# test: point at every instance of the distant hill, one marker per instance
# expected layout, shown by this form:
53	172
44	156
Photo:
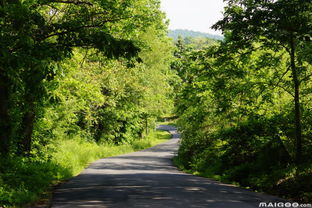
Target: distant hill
190	33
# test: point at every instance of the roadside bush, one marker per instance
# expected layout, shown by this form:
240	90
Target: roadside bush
253	154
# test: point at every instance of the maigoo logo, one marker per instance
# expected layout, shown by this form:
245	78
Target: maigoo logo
283	204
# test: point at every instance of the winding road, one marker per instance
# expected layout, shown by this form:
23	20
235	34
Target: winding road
148	179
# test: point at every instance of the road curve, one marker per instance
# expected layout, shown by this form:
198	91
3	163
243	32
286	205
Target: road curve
148	179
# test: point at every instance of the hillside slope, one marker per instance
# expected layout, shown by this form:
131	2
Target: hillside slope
190	33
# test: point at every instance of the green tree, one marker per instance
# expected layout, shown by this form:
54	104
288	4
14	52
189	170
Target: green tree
110	100
35	34
276	25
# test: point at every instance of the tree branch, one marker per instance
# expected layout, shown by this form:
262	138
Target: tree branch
280	79
71	30
74	29
76	2
286	90
306	78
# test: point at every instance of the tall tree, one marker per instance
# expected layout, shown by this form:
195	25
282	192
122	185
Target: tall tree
276	24
35	34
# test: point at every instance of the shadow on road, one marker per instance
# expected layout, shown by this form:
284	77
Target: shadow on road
148	179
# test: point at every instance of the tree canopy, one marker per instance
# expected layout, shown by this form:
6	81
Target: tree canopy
37	35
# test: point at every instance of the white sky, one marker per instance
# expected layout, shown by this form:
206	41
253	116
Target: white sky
197	15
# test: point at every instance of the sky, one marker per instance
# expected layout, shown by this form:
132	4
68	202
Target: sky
197	15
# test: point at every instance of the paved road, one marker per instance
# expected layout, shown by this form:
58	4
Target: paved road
148	179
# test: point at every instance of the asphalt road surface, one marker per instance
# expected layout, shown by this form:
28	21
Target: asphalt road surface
148	179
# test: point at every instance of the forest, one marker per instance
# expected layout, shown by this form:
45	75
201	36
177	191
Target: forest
86	79
244	104
79	80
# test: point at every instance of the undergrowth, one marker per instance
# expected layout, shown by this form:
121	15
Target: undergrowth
253	155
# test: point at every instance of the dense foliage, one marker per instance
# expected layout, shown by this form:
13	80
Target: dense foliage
245	105
76	75
67	66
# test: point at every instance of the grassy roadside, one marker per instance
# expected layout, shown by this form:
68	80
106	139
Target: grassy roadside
24	181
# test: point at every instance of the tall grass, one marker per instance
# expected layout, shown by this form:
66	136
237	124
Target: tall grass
25	180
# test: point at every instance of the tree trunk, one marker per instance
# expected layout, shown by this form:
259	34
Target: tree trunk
99	128
296	82
4	117
146	125
28	123
27	129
